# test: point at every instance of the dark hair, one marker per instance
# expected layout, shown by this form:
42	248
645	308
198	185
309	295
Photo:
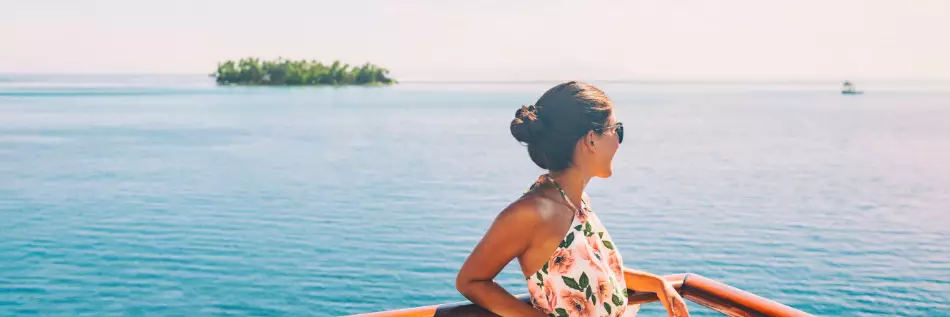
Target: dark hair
564	114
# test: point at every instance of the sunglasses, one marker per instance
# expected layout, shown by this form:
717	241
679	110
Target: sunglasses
618	127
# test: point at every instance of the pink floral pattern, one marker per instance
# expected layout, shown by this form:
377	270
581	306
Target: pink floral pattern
584	276
550	293
615	265
577	304
585	253
538	298
581	217
594	243
562	261
603	289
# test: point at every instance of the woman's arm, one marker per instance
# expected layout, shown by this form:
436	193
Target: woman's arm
507	238
647	282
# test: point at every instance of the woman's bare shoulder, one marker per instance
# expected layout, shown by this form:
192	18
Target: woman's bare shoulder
525	209
530	209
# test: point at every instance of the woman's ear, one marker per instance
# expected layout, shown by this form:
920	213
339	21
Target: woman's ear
589	141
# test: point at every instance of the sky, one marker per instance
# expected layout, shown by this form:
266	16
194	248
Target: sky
490	39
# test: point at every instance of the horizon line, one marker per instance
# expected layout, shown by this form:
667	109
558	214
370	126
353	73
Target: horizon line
538	81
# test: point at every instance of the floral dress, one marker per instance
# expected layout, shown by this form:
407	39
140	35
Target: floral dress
584	277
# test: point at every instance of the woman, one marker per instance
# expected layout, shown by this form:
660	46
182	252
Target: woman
571	265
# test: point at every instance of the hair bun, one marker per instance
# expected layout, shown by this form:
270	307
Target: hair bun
526	127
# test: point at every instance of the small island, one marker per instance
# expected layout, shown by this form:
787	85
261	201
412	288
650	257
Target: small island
284	72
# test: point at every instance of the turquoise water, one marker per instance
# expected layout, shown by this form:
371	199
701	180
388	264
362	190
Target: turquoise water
167	196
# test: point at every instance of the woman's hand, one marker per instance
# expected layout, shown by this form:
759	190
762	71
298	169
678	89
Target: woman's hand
646	282
674	303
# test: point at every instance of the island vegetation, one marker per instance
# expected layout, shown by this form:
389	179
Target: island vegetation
285	72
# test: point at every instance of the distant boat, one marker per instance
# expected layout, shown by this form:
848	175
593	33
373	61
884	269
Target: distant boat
849	89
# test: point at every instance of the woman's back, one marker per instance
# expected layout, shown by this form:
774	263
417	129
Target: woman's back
583	275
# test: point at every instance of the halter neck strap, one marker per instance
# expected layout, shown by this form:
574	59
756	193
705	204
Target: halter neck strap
547	178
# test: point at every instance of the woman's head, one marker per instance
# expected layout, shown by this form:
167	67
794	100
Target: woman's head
571	126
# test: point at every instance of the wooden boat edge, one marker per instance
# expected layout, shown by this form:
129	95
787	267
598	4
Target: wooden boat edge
715	295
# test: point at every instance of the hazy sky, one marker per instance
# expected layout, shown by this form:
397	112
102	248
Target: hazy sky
517	40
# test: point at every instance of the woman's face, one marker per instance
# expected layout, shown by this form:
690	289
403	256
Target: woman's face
600	153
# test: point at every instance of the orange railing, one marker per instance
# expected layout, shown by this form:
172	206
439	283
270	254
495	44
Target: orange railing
720	297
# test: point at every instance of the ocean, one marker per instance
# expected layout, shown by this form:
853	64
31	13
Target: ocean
165	195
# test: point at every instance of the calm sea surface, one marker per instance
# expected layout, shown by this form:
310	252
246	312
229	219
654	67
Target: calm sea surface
168	196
